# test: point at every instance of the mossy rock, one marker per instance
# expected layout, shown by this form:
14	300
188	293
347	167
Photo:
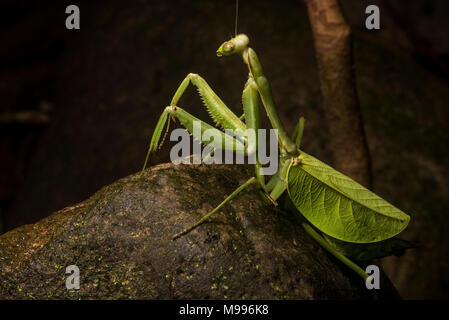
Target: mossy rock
121	241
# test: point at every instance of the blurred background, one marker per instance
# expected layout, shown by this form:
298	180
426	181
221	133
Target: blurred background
78	106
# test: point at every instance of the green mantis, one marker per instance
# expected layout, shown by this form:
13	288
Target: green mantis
345	218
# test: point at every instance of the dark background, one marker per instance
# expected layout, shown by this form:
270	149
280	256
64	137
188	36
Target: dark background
97	93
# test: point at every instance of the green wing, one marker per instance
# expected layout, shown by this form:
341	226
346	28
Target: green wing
339	206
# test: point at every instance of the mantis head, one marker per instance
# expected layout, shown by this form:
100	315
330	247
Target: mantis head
238	44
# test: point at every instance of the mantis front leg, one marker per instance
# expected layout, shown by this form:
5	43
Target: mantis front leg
264	89
215	106
227	119
188	121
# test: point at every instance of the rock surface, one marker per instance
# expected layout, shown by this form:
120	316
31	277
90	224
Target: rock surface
120	239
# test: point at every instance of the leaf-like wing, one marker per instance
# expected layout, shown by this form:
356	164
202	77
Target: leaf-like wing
339	206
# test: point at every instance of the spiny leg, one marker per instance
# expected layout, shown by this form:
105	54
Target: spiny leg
229	198
250	102
164	118
217	109
220	139
215	106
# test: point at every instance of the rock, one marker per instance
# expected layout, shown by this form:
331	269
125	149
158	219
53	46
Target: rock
120	239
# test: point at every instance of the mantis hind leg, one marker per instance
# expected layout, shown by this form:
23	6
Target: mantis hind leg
229	198
318	238
323	243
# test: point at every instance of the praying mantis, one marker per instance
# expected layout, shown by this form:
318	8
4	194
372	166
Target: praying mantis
345	218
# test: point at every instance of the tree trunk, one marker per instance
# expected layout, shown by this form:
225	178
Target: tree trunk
333	47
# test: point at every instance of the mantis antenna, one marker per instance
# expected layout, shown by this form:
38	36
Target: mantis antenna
236	15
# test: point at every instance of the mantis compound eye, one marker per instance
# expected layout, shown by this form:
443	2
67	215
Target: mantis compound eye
228	46
235	45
